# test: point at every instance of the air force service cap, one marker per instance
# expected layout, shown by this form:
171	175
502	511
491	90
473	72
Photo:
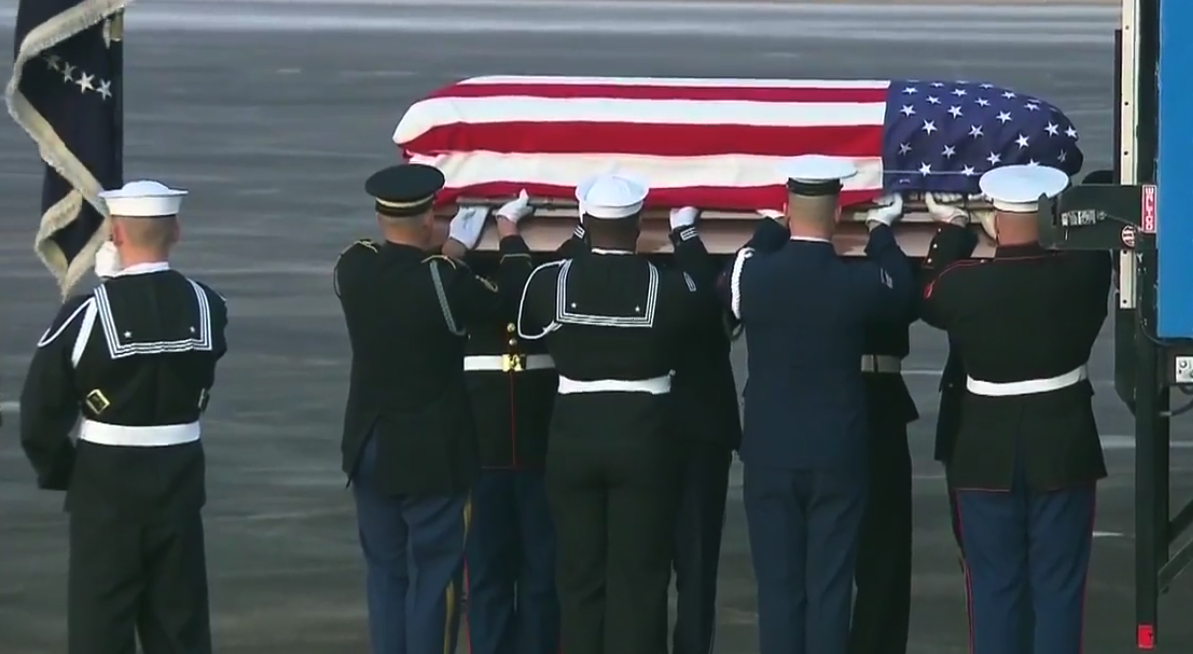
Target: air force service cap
812	175
405	190
143	199
1017	189
611	197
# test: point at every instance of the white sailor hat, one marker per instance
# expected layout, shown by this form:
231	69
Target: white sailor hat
143	199
611	196
814	174
1017	189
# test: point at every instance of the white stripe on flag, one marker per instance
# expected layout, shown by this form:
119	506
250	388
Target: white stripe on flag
734	170
436	112
681	81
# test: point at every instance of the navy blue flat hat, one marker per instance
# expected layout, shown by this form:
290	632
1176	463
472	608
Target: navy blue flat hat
405	190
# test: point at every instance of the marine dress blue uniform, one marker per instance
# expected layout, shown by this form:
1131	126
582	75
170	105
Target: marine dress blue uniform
1026	455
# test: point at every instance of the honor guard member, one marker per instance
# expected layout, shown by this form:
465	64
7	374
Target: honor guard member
510	556
707	417
804	448
882	576
1027	454
613	323
137	357
409	441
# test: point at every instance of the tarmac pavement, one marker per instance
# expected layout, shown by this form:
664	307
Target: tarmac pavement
273	113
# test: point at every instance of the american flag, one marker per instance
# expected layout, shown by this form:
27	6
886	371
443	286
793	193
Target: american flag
717	143
65	92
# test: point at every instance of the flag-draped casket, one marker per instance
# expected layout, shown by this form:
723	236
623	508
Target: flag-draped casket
716	143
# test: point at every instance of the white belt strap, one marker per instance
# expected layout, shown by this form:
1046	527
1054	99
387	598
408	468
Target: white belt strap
102	433
1028	387
881	363
655	386
500	362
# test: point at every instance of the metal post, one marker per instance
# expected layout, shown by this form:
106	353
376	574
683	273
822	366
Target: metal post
1147	409
1151	395
116	54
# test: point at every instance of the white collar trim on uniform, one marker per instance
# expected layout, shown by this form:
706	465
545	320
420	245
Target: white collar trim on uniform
604	251
144	268
810	239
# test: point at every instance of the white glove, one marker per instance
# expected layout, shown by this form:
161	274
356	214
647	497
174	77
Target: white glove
772	214
467	225
107	261
988	225
889	209
516	209
684	217
943	208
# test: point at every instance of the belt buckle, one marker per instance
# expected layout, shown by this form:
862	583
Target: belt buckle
97	401
519	361
507	363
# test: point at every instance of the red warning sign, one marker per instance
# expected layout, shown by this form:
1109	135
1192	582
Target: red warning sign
1128	237
1147	211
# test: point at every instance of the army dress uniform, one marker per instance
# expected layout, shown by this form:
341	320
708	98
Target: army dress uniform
512	604
612	322
409	441
804	446
137	357
1027	455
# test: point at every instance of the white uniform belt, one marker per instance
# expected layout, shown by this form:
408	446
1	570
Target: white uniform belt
502	362
102	433
655	386
1028	387
881	363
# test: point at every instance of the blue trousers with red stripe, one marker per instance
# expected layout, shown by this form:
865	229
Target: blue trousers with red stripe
1027	556
512	605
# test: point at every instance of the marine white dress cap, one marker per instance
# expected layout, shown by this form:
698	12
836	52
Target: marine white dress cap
815	168
611	196
143	199
1017	189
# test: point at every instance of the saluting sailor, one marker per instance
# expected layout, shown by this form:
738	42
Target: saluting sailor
613	323
137	357
409	441
510	556
1027	454
805	313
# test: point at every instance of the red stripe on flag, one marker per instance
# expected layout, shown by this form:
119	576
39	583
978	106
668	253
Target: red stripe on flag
667	140
647	92
740	198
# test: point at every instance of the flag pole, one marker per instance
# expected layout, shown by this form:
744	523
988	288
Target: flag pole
116	48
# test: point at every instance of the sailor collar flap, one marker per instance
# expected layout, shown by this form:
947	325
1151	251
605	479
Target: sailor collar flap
125	342
643	315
